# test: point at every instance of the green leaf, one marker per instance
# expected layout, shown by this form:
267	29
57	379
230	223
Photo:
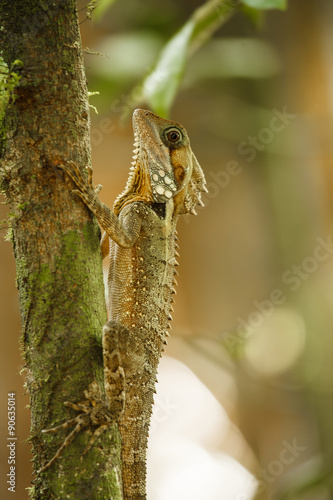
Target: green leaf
160	86
266	4
255	16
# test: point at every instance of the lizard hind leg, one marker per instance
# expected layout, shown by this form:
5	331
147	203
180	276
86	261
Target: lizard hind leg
95	436
99	412
94	413
81	422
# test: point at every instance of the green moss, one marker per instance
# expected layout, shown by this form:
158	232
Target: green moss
69	273
31	492
23	206
59	276
66	355
9	80
9	235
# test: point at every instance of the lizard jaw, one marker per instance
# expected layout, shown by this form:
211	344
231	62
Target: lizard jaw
153	155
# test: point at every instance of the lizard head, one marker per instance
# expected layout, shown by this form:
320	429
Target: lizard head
164	166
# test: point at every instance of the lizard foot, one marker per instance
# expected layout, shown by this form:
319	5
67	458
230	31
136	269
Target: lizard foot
85	187
96	413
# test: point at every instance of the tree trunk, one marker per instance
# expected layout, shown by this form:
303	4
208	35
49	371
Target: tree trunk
55	240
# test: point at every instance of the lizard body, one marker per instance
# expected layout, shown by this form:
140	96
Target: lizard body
165	182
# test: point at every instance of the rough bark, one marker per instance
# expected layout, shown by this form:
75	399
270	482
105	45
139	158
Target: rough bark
55	241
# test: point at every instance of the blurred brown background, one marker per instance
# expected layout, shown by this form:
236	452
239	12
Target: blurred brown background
254	307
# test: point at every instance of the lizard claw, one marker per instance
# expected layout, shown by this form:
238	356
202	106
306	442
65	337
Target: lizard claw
78	192
90	182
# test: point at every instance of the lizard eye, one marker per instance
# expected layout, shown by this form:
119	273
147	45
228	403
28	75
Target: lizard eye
173	135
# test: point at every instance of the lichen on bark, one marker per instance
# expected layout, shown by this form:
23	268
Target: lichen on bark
55	240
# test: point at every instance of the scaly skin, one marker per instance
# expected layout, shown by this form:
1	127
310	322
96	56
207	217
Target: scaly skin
140	235
141	276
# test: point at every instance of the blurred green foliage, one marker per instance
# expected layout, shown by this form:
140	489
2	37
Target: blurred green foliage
133	53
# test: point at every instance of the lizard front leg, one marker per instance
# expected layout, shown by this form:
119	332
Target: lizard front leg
124	235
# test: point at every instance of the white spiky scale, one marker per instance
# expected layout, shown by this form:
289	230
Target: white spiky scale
167	180
168	193
200	202
160	189
155	177
161	173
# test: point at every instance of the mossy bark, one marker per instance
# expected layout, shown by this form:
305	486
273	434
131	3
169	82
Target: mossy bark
55	241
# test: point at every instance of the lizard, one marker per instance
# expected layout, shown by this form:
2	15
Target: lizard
140	237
